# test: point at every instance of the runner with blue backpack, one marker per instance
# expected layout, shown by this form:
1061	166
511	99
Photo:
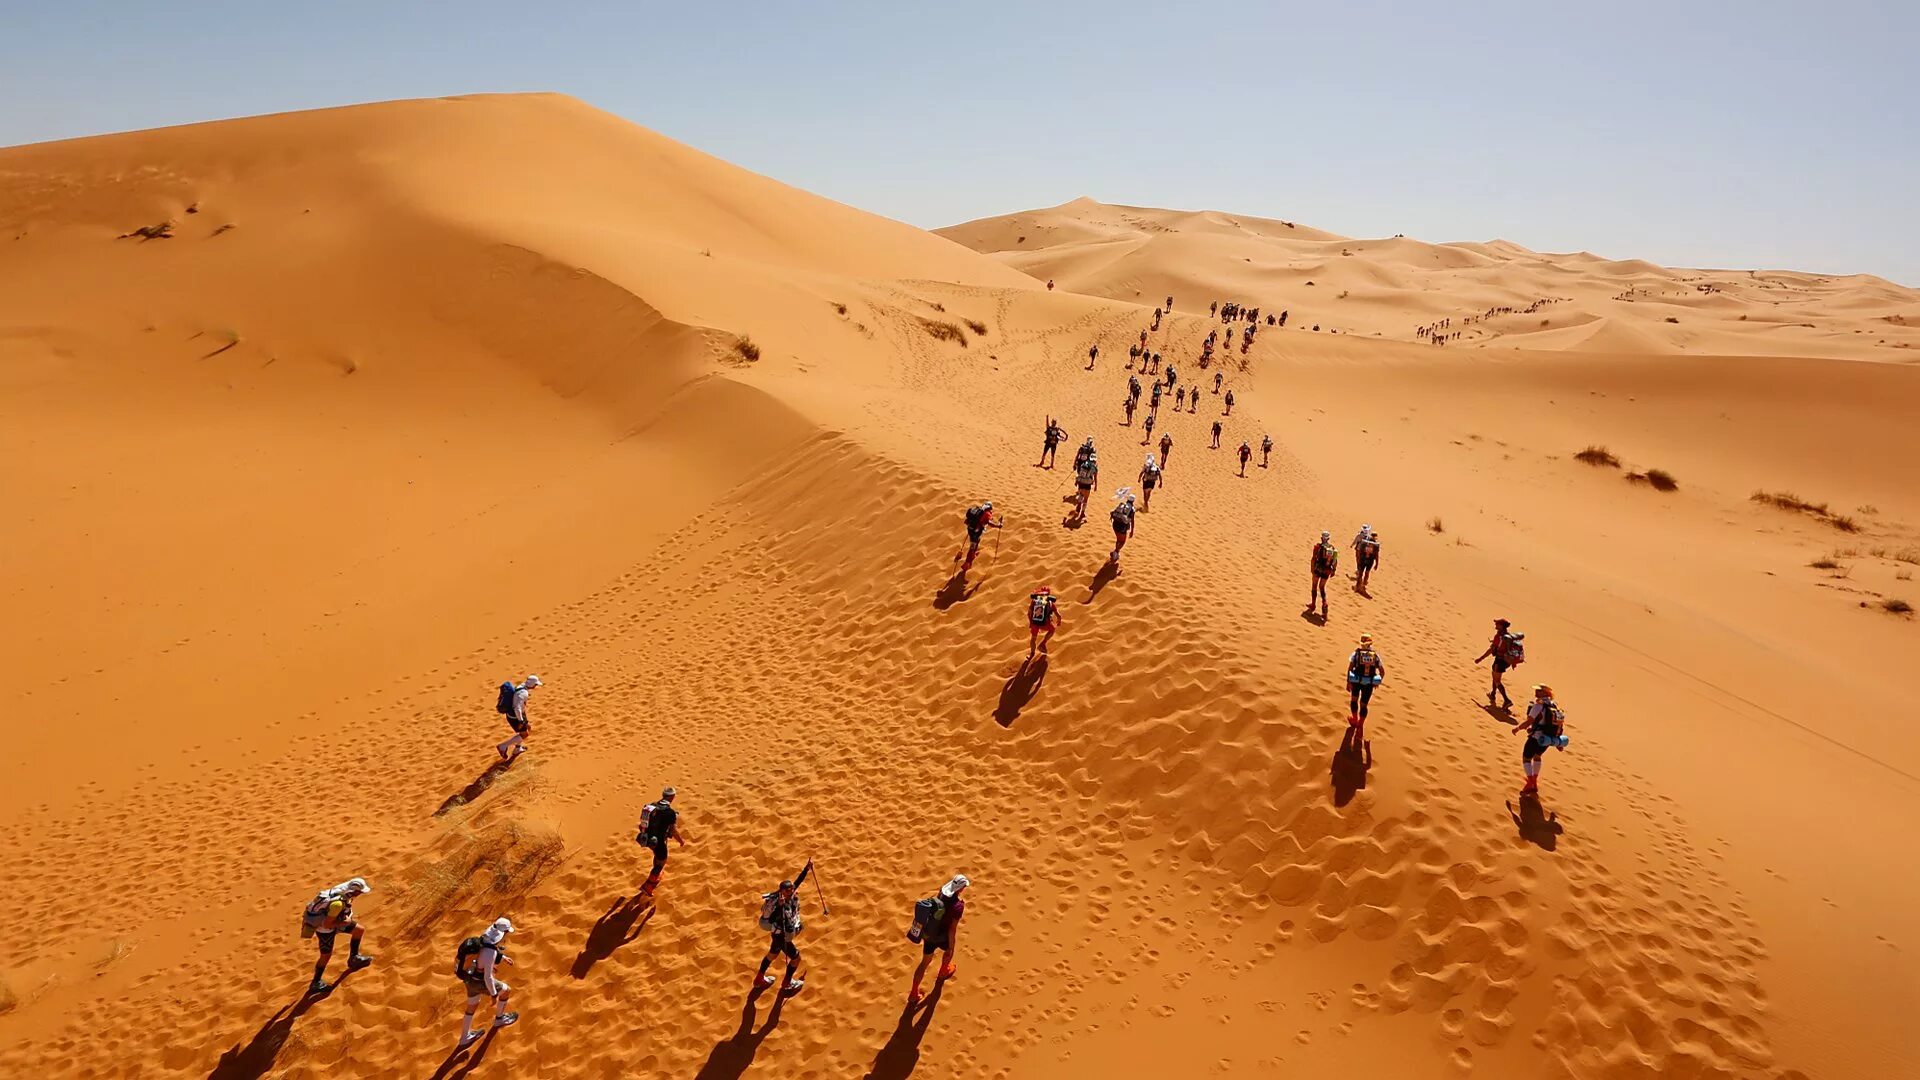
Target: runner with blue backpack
936	926
1364	672
1546	728
513	705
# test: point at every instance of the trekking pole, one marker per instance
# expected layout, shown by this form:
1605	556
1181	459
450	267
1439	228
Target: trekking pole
817	890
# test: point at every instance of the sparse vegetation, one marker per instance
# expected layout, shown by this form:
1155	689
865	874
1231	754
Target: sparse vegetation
1905	554
162	231
1020	240
1672	319
1786	500
1435	525
979	328
1657	479
1868	509
944	331
840	308
1893	605
941	308
1599	456
745	349
224	228
1825	562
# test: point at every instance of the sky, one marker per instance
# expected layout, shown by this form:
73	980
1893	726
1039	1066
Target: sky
1739	135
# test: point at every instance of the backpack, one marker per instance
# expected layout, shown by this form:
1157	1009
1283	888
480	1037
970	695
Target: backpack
1040	609
1553	727
975	515
1089	471
769	907
1513	649
1123	517
1326	558
1370	548
647	818
505	705
315	913
469	947
1365	667
928	916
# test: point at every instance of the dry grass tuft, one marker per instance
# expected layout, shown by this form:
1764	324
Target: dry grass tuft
944	331
979	328
1893	605
1658	479
1825	562
1598	455
746	350
1436	526
1787	500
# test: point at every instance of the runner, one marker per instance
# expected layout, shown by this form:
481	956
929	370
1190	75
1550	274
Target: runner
1180	399
1322	562
1133	387
937	926
1156	319
1129	405
1217	376
1229	400
1171	376
1049	284
1043	613
513	702
475	963
1050	442
1546	727
1133	353
1093	353
1169	301
1158	389
1266	447
1166	451
979	519
1216	435
1366	556
1364	672
1156	361
326	916
1148	437
780	916
1213	309
1245	453
1122	524
1086	474
1149	477
1509	651
659	822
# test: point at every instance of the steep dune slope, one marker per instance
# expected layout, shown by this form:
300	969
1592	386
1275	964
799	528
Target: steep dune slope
1497	294
464	394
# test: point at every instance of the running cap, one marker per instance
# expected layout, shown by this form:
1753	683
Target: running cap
356	886
1542	690
533	680
1326	535
988	505
666	794
1366	528
1042	591
1366	639
500	928
786	886
953	887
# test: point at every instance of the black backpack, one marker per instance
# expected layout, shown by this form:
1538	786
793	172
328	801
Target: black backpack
1123	516
505	704
974	516
468	948
928	916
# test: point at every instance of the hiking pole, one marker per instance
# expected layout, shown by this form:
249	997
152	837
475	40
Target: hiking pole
817	891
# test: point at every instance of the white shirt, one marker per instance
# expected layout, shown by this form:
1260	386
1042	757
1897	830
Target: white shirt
520	703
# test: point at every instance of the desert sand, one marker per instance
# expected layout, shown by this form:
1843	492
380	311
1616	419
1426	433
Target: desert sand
392	403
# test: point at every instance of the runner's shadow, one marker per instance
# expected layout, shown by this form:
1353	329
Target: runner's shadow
621	924
1020	689
1350	764
1314	617
897	1059
257	1057
1108	571
954	591
1538	827
731	1056
1071	522
454	1068
1500	713
476	789
1361	589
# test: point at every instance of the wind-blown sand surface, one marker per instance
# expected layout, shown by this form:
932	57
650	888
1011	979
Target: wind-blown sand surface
418	397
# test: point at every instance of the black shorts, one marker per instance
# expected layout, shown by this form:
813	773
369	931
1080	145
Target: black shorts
781	943
1084	489
932	943
1533	748
518	725
1367	564
1120	533
1501	667
974	535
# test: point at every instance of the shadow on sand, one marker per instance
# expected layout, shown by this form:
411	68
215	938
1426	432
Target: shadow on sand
1020	689
1350	764
731	1056
623	921
954	591
1313	616
901	1055
476	789
257	1057
465	1059
1538	827
1108	571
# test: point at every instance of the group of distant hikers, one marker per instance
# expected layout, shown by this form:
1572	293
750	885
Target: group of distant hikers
935	923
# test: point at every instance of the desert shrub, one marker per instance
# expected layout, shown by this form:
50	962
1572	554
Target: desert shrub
978	327
746	350
1893	605
1657	479
944	331
1598	455
1671	319
839	308
1435	525
1825	562
1844	523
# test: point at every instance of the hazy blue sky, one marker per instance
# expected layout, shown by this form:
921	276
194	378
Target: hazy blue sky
1722	134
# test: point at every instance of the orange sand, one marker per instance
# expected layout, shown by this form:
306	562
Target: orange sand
463	393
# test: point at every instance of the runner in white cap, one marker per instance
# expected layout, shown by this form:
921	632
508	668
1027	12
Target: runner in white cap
942	932
517	719
474	963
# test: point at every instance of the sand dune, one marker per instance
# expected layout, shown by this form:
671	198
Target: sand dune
483	386
1390	288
